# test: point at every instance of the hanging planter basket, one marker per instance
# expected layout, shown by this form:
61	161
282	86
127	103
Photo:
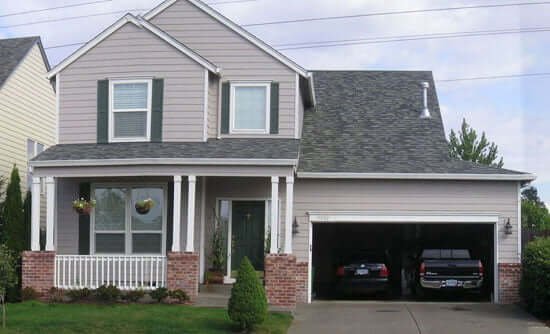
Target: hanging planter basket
83	207
144	206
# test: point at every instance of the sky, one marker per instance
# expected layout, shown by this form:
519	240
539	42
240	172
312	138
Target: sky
513	112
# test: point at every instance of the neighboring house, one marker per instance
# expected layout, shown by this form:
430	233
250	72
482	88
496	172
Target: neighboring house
186	108
27	106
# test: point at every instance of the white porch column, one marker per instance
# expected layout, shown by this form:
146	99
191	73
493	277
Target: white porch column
274	214
176	225
289	215
35	214
50	213
189	245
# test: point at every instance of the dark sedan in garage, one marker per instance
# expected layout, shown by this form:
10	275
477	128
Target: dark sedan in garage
364	273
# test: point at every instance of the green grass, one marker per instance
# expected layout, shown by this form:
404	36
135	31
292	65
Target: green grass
35	317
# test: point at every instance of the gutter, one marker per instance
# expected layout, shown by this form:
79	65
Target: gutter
418	176
163	161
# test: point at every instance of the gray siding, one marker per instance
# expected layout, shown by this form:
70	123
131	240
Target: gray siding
132	52
391	196
66	231
238	58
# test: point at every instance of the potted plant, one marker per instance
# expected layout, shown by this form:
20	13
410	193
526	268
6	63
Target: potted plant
215	274
144	206
83	206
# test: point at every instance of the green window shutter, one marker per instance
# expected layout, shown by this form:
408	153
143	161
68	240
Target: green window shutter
84	223
225	108
156	112
274	112
103	111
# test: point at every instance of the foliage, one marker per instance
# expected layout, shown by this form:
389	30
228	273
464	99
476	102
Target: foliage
2	192
35	317
8	276
27	207
218	247
248	303
83	205
535	278
14	229
29	293
56	295
159	294
77	295
179	295
534	213
134	296
469	147
107	293
145	203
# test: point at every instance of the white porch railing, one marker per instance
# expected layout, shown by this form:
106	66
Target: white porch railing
127	272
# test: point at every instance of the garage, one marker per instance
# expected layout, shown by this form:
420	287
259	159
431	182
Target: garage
397	244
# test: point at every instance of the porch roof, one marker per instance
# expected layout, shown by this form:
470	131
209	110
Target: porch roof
264	149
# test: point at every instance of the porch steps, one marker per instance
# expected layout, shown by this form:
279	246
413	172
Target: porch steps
214	295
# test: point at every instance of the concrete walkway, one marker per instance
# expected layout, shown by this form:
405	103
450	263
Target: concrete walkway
413	318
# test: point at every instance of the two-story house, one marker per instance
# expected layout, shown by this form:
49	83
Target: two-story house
184	109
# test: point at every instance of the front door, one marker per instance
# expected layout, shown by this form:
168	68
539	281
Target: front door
247	227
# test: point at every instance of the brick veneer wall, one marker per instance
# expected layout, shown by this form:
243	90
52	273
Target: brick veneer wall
509	275
182	272
301	282
280	280
38	271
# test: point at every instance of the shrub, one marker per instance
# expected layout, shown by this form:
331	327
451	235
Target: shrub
535	278
159	294
8	277
29	293
79	294
108	293
56	295
134	295
12	212
179	295
247	304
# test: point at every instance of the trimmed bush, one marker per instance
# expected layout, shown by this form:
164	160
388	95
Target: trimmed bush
134	296
248	303
56	295
535	277
79	294
108	293
159	294
29	293
179	295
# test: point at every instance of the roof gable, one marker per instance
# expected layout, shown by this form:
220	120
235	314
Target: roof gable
141	23
12	52
235	28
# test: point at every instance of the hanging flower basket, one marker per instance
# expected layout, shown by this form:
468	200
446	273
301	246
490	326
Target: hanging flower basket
83	207
144	206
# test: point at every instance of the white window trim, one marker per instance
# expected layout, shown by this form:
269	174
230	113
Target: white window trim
112	138
232	128
128	223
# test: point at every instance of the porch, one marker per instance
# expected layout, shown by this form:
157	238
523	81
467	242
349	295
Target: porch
168	246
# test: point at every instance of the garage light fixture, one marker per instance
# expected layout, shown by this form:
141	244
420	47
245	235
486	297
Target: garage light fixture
508	227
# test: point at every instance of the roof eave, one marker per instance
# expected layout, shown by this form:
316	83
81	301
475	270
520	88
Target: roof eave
418	176
163	161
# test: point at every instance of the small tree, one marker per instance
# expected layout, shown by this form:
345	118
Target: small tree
534	213
218	245
248	303
14	228
8	277
2	184
467	146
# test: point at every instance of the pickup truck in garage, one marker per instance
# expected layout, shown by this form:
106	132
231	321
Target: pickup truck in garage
448	269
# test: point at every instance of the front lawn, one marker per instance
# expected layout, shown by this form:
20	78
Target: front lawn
35	317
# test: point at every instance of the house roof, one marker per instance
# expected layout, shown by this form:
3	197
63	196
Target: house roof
12	52
368	122
236	150
142	23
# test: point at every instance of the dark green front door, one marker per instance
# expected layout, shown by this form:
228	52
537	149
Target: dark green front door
247	227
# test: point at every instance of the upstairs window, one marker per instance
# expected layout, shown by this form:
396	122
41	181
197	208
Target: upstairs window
250	104
130	110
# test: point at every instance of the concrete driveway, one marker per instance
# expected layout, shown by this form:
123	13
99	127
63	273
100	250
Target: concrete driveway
413	318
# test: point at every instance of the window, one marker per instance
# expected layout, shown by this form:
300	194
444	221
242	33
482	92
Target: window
250	107
130	110
118	227
33	149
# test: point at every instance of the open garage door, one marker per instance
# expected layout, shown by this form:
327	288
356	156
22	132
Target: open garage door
381	260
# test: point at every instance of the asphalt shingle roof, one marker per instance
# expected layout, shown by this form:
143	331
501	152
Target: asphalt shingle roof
12	51
230	148
368	122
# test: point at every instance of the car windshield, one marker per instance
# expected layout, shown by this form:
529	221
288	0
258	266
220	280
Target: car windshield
457	254
366	258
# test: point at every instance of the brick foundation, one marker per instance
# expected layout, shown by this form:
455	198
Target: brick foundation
301	282
38	271
280	280
509	275
182	272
